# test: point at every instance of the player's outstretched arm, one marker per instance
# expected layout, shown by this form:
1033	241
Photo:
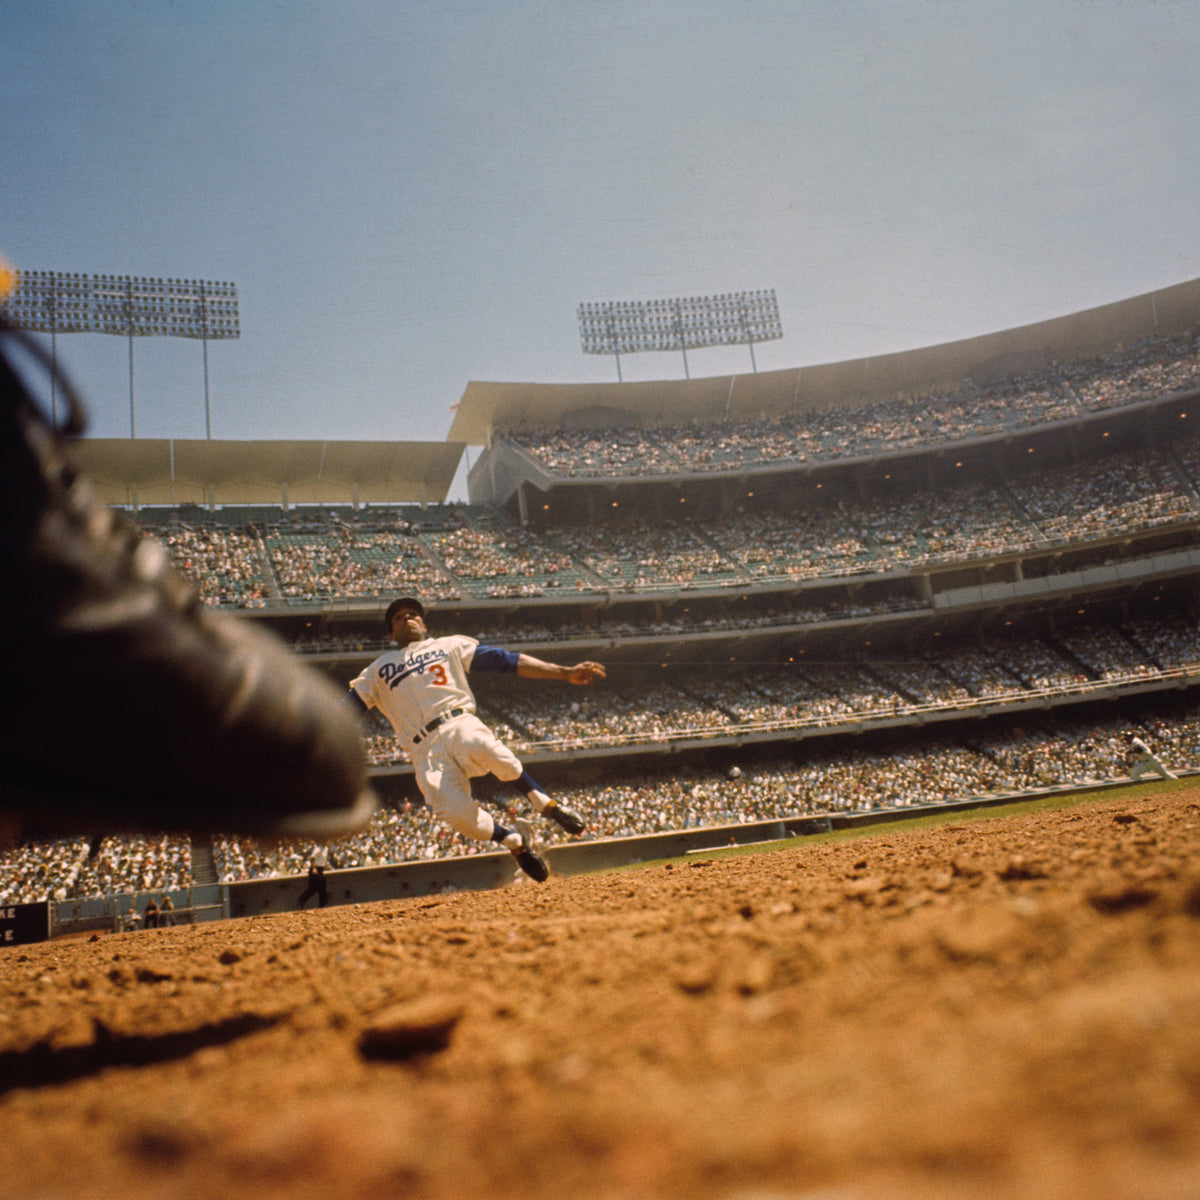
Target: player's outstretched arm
580	673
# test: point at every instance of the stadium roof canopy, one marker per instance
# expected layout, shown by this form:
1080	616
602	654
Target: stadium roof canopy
165	471
1025	350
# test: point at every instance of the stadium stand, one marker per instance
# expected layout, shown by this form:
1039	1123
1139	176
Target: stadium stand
1153	367
818	640
1044	752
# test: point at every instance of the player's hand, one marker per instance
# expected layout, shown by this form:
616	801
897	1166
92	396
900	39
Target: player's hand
585	672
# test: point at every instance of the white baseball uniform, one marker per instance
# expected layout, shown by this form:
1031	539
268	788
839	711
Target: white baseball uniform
1144	759
423	691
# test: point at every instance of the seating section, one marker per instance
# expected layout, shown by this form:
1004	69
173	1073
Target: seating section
700	703
1155	367
1049	749
478	553
261	557
494	558
640	554
345	563
1102	499
80	867
685	795
226	564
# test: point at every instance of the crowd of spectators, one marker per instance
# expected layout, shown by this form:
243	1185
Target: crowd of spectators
137	863
226	564
1126	493
808	544
1037	665
42	869
506	560
619	451
958	523
451	552
345	563
1188	452
699	703
305	554
457	551
936	769
78	867
403	833
1152	368
478	552
1033	752
1155	366
522	631
1166	641
1107	653
637	553
921	681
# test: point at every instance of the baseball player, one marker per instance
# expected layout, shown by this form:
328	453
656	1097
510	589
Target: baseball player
1144	759
422	689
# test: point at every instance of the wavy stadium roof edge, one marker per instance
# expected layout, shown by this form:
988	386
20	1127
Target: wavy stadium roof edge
922	371
170	471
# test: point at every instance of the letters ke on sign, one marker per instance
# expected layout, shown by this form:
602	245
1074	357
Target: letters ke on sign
21	924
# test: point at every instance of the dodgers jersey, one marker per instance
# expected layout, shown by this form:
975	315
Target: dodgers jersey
415	683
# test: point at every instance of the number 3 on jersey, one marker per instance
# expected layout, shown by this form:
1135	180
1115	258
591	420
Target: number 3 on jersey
438	671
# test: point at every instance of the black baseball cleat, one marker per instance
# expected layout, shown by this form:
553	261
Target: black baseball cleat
528	859
569	820
127	703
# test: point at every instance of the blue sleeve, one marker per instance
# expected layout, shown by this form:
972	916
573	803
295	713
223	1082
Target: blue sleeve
492	658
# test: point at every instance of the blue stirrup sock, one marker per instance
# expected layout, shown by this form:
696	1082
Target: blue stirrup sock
531	788
503	837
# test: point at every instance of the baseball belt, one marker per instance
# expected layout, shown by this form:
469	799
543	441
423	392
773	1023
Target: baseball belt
439	720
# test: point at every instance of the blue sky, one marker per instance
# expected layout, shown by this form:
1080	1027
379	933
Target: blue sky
413	195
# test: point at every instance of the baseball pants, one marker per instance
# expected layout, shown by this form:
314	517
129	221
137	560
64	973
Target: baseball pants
1154	765
461	750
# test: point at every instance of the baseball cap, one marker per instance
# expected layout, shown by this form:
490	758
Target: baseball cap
403	602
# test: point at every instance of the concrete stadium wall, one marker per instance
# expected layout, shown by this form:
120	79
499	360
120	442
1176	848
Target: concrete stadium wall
486	872
206	902
483	872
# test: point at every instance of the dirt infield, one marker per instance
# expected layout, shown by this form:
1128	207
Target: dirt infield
998	1007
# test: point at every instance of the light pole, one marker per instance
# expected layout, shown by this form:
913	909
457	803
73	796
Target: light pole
629	326
131	306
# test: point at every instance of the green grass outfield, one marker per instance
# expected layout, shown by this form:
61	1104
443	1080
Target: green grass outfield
957	815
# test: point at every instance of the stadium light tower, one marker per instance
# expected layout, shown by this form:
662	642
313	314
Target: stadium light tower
132	306
629	326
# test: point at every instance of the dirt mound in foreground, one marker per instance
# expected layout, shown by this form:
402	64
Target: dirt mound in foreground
1006	1007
